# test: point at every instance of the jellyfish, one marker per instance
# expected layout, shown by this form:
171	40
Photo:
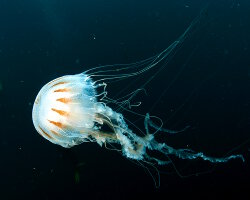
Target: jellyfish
74	109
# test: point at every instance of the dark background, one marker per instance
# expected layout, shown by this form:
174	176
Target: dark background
205	85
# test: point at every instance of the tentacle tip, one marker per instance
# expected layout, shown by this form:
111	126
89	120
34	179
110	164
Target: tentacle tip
242	158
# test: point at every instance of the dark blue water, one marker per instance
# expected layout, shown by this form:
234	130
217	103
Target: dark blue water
205	85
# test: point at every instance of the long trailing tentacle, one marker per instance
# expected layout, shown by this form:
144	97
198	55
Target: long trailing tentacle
180	153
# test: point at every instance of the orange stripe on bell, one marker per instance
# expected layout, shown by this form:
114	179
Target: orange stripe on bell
55	133
64	100
62	90
60	112
45	133
58	124
60	83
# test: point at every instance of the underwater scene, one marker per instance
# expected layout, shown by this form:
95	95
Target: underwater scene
125	99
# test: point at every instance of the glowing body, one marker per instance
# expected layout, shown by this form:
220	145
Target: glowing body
69	111
66	112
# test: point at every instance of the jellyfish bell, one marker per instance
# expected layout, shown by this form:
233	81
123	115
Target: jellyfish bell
66	112
64	109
